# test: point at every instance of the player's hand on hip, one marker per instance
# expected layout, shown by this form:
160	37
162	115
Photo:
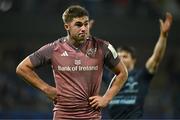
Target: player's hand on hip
98	102
51	93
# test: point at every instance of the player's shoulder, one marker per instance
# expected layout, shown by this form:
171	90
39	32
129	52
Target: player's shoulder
99	40
59	41
54	44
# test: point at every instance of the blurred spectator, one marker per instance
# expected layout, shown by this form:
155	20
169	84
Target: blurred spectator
16	95
5	5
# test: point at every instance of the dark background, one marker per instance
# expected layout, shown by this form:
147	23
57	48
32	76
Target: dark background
26	25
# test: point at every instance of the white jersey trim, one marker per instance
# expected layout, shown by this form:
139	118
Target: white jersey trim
113	51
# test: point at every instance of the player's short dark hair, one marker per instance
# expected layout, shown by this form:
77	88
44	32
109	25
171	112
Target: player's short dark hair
128	49
74	11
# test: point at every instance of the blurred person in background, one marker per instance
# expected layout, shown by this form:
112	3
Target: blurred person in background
77	62
129	102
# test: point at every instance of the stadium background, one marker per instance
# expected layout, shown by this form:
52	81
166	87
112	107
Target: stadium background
26	25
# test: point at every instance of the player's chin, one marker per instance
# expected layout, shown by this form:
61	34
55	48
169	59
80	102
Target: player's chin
82	38
81	41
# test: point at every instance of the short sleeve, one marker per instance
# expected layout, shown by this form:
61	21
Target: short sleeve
146	75
111	56
42	56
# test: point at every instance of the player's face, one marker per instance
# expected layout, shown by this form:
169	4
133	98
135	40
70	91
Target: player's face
78	28
127	59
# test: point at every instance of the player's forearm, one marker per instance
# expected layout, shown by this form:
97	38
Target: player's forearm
160	47
116	86
32	78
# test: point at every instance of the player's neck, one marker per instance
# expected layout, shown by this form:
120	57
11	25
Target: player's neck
75	43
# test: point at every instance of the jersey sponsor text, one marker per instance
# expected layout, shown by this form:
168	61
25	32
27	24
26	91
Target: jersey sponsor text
78	68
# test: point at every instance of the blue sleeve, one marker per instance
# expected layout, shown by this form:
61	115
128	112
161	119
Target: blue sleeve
145	76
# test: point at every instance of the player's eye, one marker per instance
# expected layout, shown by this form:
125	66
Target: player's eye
85	24
124	56
79	24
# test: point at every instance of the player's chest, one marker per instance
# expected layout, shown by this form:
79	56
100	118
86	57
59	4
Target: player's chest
77	57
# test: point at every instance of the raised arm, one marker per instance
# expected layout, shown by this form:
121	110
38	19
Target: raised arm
159	50
26	70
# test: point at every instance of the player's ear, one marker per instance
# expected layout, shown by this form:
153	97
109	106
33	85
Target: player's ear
66	26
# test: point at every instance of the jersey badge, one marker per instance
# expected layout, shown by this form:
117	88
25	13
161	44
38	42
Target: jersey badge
90	52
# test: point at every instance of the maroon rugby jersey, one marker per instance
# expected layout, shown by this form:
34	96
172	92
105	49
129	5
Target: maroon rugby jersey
77	74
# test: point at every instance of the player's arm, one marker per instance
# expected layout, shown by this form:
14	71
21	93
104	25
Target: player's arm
26	70
159	49
118	82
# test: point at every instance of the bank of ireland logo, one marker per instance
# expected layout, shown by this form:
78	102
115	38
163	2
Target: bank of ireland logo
77	62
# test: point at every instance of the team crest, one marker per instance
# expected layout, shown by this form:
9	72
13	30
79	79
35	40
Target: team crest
77	62
91	52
